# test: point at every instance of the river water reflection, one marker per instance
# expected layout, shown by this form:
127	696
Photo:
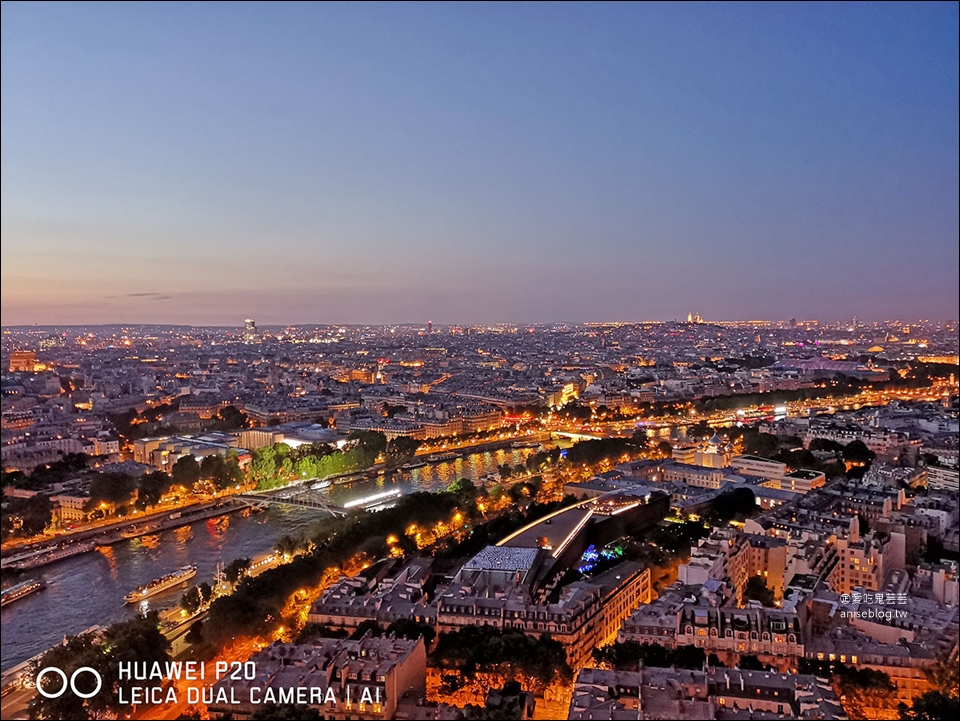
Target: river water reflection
88	590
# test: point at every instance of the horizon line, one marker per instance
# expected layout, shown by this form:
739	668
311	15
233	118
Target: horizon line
756	321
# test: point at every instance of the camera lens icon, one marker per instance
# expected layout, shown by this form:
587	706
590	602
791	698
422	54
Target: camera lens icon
70	683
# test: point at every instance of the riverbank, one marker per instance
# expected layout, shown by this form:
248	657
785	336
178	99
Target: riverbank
175	520
91	531
123	530
89	589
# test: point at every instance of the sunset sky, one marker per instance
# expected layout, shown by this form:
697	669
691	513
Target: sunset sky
182	163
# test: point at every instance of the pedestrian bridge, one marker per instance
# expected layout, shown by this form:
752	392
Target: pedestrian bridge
304	495
578	436
301	496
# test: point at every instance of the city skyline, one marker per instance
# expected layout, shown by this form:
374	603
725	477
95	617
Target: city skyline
478	164
599	483
428	327
480	360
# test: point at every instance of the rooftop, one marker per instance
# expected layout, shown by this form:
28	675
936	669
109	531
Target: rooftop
554	528
502	558
804	475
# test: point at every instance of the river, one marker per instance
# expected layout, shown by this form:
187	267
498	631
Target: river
88	590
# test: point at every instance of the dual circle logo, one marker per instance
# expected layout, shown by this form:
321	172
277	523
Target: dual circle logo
70	683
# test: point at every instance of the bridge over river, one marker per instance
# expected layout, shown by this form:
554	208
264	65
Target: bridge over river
306	495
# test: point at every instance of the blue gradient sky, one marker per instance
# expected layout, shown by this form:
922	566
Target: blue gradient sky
478	163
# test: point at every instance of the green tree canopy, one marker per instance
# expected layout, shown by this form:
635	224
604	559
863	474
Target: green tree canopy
370	441
186	471
402	448
138	639
931	706
475	649
113	488
151	488
857	452
756	590
236	569
627	656
740	503
26	517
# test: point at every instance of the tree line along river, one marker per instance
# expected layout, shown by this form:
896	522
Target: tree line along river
89	589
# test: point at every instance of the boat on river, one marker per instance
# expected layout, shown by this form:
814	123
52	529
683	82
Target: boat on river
159	585
21	590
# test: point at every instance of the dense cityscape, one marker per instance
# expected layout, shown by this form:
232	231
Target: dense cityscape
683	519
480	361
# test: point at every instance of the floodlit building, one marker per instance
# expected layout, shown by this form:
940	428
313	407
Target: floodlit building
340	678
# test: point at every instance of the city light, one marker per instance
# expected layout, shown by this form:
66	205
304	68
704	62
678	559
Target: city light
682	439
